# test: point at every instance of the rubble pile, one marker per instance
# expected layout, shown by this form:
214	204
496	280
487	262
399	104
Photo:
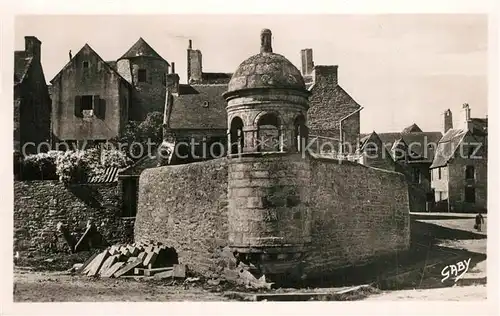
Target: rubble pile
147	259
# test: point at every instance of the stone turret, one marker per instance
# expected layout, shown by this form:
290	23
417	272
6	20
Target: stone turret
267	111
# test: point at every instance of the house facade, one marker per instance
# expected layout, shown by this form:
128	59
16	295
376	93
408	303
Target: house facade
93	99
32	104
459	169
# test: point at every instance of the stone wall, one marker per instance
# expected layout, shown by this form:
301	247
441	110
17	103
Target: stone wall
185	207
40	205
148	96
357	213
354	212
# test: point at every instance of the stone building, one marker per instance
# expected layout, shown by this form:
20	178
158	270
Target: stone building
412	152
93	99
333	116
31	99
268	204
196	112
459	169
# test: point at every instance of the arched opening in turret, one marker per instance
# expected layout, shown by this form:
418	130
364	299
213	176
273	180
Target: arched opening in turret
237	140
268	133
300	132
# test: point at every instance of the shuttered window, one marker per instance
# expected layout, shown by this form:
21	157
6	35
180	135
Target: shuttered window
142	75
90	102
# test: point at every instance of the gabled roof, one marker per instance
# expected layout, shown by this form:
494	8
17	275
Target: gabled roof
447	146
421	144
87	46
141	49
412	129
479	126
22	64
189	110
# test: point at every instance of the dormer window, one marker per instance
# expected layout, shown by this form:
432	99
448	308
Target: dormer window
205	104
85	65
142	75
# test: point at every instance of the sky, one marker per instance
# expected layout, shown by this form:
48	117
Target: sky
401	68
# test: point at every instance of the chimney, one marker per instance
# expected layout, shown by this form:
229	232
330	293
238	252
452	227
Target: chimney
173	83
448	120
326	74
266	41
468	123
194	64
307	61
173	67
32	47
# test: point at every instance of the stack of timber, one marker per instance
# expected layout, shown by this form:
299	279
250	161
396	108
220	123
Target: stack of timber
143	259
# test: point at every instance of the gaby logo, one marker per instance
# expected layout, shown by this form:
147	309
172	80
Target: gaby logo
456	270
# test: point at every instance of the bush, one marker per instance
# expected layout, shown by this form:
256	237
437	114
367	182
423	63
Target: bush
74	166
40	166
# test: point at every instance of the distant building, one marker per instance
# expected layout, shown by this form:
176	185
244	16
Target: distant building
31	99
196	112
410	152
459	168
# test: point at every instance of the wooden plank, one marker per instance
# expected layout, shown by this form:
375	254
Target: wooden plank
134	251
150	272
111	271
87	262
142	256
113	250
80	245
127	268
110	261
164	275
98	263
150	258
179	271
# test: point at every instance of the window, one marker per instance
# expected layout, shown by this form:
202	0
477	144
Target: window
85	64
469	172
470	195
371	150
205	104
439	173
87	102
142	75
416	175
471	152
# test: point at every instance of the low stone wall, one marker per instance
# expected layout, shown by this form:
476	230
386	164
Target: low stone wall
40	205
185	207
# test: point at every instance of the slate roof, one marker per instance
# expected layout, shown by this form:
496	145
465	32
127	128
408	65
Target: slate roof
112	64
188	110
422	144
141	48
447	147
21	66
412	129
479	126
216	77
87	46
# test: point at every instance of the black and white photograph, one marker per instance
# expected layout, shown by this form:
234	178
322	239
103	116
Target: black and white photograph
250	158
